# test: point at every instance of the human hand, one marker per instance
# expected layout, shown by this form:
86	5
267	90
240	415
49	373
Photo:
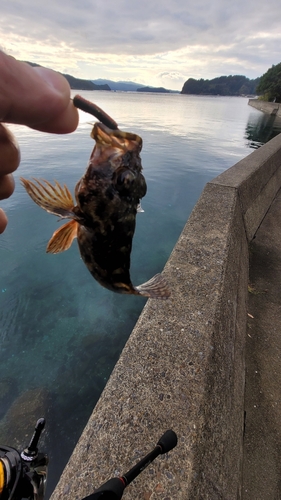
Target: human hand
32	96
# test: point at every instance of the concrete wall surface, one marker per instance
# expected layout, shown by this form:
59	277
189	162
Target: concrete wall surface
273	108
183	366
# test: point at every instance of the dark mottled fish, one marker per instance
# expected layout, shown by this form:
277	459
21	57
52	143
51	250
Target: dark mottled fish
103	218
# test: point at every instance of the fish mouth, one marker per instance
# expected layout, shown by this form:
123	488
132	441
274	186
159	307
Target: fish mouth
108	138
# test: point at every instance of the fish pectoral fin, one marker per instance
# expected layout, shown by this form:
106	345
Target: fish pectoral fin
54	199
63	237
139	208
155	288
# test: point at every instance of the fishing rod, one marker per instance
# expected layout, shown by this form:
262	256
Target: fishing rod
114	488
23	475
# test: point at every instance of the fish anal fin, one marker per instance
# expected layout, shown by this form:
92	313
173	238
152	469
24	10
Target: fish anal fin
63	237
155	288
54	199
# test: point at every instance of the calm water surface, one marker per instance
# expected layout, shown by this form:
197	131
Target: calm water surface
60	332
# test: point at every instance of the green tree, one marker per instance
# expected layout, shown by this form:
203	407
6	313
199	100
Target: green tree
270	84
222	85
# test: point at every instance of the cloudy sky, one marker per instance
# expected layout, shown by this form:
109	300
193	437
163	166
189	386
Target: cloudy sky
155	42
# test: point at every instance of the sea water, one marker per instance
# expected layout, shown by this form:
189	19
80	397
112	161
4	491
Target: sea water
60	332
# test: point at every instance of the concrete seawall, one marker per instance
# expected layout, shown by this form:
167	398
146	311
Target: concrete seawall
273	108
183	366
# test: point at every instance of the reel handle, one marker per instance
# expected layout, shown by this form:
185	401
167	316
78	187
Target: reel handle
31	451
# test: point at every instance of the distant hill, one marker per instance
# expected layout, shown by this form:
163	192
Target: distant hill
81	84
104	84
125	86
234	85
154	89
78	83
120	85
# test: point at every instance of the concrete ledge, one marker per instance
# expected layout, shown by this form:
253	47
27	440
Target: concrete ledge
257	179
183	366
273	108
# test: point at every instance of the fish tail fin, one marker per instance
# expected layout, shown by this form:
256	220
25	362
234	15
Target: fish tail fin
155	288
63	237
55	199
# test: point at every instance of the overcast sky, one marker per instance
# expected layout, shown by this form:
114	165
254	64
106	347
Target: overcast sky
155	42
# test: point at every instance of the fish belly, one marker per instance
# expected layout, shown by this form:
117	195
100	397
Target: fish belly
107	257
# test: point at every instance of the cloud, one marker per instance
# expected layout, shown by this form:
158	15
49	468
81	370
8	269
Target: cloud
148	41
171	75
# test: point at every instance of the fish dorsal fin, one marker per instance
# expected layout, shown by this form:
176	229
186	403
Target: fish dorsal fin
63	237
54	199
155	288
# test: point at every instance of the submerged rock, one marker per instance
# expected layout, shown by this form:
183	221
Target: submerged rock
8	392
17	427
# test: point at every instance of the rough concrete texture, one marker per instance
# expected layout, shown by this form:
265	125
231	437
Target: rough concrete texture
177	371
262	444
183	366
257	179
273	108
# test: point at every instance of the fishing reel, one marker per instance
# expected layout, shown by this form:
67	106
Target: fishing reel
23	475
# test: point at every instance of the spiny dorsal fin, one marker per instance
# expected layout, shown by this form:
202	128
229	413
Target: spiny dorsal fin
155	288
55	199
63	237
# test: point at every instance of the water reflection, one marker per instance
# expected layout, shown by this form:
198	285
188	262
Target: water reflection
261	128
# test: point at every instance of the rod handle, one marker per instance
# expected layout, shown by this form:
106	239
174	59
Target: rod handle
168	441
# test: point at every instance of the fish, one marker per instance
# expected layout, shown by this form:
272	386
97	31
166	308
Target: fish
103	216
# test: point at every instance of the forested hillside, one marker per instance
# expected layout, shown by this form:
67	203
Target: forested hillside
270	84
222	85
